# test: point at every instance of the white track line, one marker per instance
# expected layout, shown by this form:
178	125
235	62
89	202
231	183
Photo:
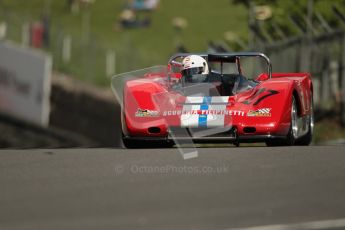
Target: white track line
324	224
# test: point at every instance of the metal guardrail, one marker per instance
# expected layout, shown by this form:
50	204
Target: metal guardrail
324	57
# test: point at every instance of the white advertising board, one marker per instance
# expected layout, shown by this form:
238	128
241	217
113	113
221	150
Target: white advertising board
25	82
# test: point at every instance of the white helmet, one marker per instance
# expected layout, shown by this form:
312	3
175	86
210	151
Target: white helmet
194	64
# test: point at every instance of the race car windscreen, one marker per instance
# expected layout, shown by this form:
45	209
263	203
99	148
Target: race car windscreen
195	78
223	67
252	67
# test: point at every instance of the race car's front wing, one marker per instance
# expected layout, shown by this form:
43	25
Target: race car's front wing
182	135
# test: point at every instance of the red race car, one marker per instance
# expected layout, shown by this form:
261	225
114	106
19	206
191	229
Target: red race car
210	98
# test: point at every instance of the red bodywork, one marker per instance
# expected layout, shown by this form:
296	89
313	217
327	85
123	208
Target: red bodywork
157	103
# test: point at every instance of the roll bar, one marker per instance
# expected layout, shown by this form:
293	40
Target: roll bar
224	57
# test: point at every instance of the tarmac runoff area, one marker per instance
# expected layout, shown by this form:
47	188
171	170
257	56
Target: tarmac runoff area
248	188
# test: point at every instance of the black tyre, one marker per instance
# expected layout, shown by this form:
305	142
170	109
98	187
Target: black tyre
144	144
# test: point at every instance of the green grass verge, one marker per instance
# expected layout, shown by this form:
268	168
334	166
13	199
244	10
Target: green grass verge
327	130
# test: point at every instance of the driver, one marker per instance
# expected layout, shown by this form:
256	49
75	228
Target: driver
194	69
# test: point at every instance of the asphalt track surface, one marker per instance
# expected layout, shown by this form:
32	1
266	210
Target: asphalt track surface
223	188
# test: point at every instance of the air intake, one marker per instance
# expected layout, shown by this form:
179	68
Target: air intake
249	129
154	130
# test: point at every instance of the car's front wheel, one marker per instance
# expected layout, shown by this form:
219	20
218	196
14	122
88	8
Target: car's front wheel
144	144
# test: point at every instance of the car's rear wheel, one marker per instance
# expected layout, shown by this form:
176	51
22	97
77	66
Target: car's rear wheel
293	131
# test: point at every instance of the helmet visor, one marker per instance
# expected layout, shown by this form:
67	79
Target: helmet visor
192	71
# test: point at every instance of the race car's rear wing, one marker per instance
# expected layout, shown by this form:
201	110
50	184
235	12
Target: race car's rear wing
224	57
